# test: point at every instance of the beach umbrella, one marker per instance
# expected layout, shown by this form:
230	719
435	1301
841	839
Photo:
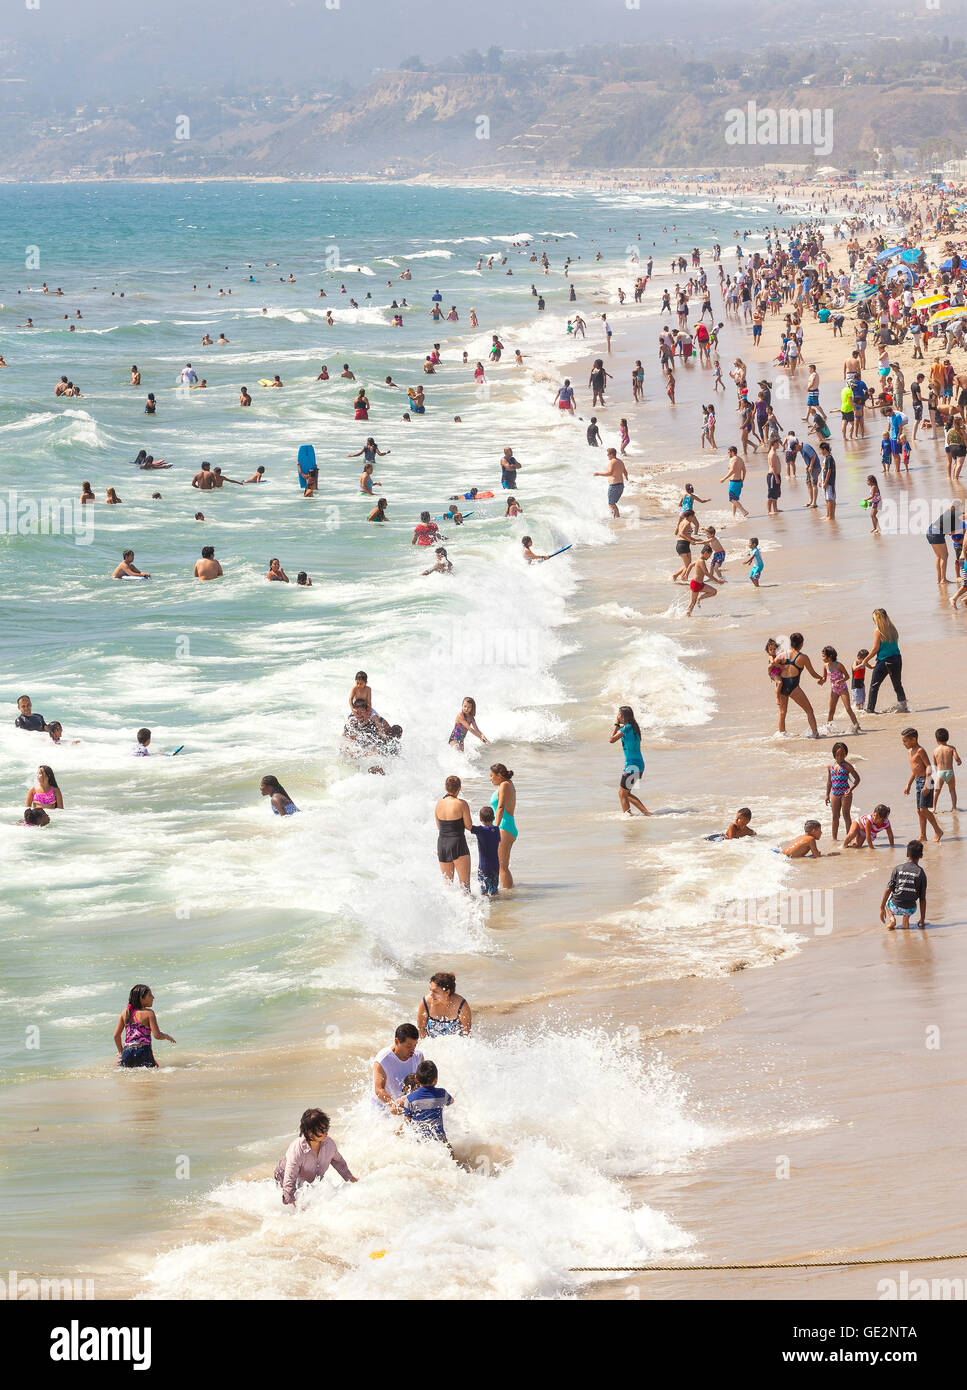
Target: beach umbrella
928	301
891	251
910	257
866	292
945	315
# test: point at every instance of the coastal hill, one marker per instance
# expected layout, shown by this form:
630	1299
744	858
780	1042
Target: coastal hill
548	113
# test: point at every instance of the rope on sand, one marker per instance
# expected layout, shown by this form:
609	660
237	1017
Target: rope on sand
812	1264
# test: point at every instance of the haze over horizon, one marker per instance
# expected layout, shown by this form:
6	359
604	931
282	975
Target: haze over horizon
109	50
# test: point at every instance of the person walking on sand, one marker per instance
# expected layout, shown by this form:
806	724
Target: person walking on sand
627	731
944	756
735	477
617	476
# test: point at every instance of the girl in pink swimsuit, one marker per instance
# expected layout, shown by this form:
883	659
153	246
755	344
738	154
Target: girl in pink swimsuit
865	830
839	678
47	793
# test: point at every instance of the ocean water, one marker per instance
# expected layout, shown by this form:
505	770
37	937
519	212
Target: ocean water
265	938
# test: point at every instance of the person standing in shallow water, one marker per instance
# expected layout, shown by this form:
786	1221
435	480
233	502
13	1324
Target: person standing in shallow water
627	731
453	819
504	803
138	1025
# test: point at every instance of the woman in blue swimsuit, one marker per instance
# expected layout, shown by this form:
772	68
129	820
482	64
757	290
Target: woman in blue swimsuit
504	802
282	803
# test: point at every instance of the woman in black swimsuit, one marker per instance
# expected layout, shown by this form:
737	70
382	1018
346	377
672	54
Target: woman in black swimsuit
789	677
684	535
452	820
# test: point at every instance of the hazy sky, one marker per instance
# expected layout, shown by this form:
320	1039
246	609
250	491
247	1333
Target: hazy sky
126	44
92	50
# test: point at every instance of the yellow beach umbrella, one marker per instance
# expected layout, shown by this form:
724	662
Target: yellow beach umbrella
930	299
945	315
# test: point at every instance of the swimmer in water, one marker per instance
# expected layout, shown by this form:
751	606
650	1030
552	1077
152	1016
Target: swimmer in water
47	793
128	567
806	846
277	573
282	803
529	554
442	566
740	827
366	480
208	567
258	476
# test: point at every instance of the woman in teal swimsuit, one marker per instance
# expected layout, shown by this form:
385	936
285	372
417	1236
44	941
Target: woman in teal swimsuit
504	802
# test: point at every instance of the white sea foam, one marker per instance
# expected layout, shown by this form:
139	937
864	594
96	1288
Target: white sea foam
545	1122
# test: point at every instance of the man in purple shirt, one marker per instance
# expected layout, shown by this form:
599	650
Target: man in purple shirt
310	1156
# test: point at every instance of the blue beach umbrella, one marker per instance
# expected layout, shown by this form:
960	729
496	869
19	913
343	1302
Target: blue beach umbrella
910	257
889	253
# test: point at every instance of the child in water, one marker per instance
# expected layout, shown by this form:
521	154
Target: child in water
842	779
865	830
837	675
361	691
718	556
488	843
858	683
740	827
529	554
806	845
